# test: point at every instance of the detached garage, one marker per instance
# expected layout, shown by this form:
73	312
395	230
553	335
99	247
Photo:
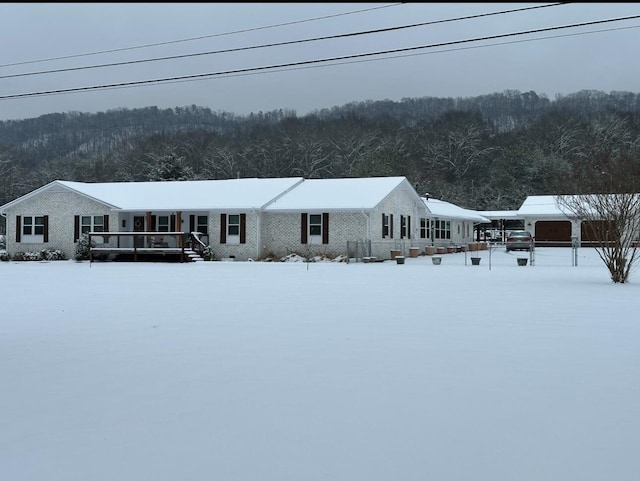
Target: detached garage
550	226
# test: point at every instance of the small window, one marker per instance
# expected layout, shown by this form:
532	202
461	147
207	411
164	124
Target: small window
202	224
315	225
385	225
32	226
164	222
233	226
442	229
315	229
424	228
91	223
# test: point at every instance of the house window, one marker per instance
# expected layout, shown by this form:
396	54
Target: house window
164	223
386	229
33	226
91	223
424	228
442	229
233	229
314	228
405	226
202	224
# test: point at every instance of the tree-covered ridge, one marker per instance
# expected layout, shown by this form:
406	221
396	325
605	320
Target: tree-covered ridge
485	152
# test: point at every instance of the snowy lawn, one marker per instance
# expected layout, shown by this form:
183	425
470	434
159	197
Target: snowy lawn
251	371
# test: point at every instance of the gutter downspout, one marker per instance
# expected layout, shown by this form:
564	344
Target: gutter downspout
258	217
368	220
4	214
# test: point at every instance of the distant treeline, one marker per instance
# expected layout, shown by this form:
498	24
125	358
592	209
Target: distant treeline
485	152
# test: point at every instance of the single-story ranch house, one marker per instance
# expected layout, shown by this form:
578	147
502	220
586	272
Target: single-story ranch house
238	218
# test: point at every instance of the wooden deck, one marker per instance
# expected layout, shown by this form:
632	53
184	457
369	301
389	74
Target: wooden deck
143	246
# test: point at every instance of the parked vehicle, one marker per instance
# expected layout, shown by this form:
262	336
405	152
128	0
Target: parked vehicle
519	240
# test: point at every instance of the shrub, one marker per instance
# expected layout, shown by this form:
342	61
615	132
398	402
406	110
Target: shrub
43	255
82	248
207	254
52	255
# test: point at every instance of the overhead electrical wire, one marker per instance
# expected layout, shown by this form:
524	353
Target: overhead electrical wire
277	44
307	62
202	37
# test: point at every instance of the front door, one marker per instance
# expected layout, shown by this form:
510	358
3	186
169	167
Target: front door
138	226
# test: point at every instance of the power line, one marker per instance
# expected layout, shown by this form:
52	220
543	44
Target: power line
278	44
170	42
307	62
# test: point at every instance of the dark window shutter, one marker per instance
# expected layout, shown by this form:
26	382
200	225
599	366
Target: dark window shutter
409	227
391	225
303	228
18	227
106	223
243	228
45	220
76	228
325	228
383	216
223	228
192	223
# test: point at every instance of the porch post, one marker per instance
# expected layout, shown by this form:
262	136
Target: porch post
178	228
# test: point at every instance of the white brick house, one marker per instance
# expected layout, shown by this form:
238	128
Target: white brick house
239	218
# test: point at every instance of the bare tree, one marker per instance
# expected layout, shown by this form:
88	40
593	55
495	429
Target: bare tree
613	222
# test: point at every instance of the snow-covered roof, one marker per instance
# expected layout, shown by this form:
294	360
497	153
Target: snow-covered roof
541	206
186	195
442	208
337	194
500	214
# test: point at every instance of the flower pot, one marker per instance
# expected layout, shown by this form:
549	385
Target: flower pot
400	259
429	250
414	251
436	260
522	261
475	261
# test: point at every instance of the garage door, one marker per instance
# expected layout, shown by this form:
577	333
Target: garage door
553	233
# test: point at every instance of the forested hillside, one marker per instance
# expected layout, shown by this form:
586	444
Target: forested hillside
486	152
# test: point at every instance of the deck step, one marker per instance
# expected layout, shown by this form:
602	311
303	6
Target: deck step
193	255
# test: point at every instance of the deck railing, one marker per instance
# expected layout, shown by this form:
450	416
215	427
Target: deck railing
136	243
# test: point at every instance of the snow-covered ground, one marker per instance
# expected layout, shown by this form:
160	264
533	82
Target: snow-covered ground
256	371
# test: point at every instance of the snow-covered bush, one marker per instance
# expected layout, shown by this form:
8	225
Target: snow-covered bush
207	254
82	248
43	255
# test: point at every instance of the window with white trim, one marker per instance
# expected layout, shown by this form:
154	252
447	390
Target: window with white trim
424	228
233	229
442	229
32	225
164	223
91	223
202	224
315	228
385	225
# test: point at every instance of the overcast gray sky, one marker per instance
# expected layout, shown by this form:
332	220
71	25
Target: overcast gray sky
602	56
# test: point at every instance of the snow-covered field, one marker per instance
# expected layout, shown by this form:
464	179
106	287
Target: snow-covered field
252	371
